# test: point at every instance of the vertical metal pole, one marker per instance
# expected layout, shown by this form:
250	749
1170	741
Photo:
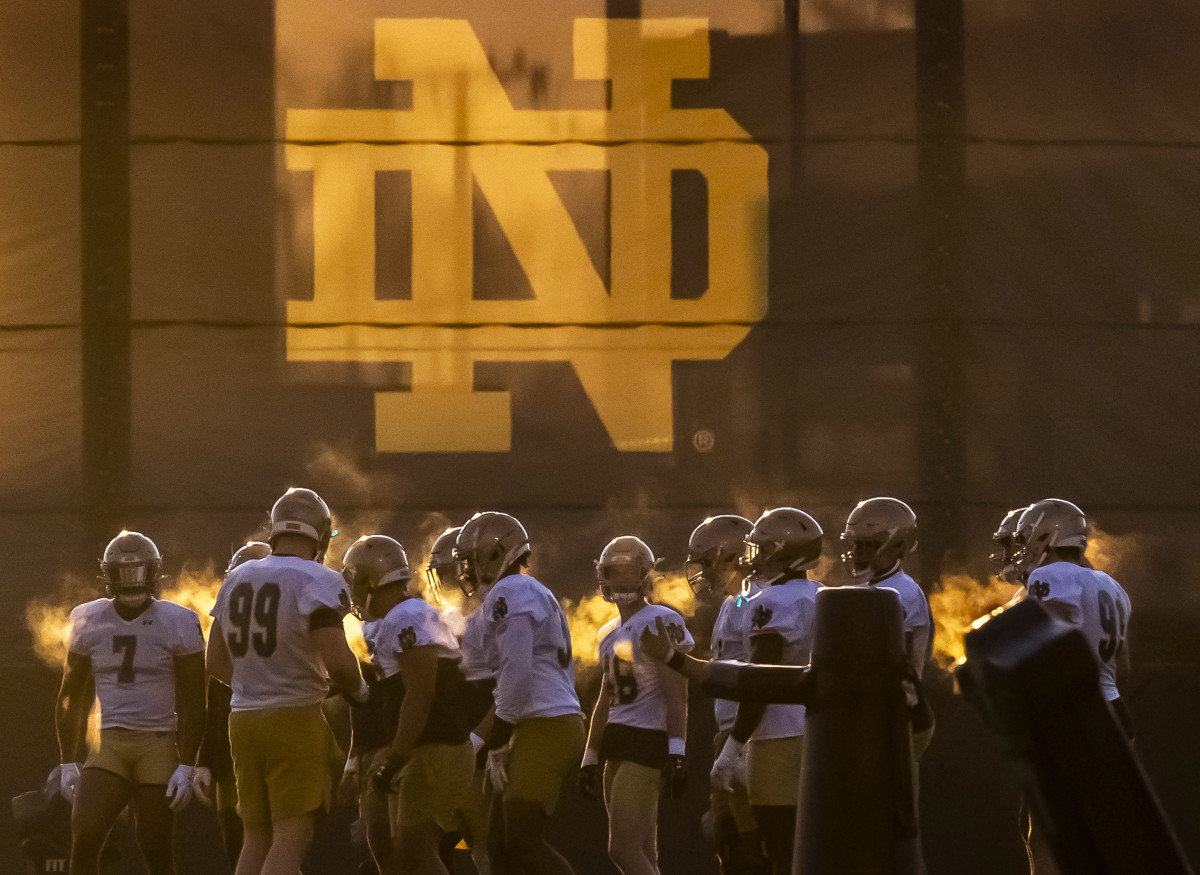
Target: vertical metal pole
105	266
941	356
796	128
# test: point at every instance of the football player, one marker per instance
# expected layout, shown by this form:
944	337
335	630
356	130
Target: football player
1050	540
477	702
429	762
636	741
714	566
537	733
277	629
215	763
766	741
879	534
144	660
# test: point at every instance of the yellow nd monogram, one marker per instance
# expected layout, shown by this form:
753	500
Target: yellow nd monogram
462	131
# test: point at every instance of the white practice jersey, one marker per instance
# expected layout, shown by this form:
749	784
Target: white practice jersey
264	608
412	623
474	664
133	661
633	680
729	643
1093	602
540	683
918	619
787	610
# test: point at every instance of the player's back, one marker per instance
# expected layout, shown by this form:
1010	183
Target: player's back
265	608
1093	602
551	681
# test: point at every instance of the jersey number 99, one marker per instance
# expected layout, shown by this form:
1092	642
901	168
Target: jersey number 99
253	617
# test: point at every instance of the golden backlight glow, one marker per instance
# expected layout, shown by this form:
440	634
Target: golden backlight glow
49	623
584	619
674	591
957	602
354	637
196	589
1117	555
463	133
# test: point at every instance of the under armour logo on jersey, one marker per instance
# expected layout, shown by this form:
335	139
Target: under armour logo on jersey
1039	589
761	616
408	637
500	609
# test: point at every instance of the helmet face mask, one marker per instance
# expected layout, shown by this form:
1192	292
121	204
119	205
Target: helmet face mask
714	555
372	563
441	571
784	542
1003	558
624	570
489	545
858	554
130	568
879	533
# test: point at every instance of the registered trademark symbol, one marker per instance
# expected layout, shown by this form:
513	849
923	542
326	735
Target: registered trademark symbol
703	440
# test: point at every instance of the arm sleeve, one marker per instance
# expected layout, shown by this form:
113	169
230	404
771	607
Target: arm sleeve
1060	596
188	637
326	589
780	618
677	631
514	642
77	633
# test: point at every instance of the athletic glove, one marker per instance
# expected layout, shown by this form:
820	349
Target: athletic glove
730	765
496	769
382	775
675	777
179	788
68	781
591	782
202	784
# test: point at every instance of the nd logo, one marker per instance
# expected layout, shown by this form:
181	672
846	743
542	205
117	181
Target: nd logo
463	131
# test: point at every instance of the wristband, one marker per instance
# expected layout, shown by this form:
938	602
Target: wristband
677	660
675	747
360	696
590	757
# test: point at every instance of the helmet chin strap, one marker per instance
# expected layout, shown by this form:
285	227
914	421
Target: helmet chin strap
881	575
